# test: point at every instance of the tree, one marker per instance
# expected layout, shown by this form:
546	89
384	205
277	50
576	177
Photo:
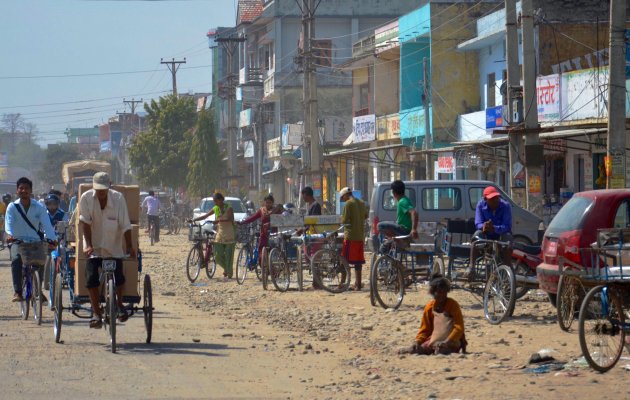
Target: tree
206	161
13	124
55	156
27	155
160	155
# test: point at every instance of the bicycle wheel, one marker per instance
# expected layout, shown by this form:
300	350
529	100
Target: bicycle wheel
193	263
264	266
211	266
25	305
330	271
242	264
36	297
568	300
387	281
521	269
371	283
111	313
601	331
57	301
257	266
279	270
499	295
147	306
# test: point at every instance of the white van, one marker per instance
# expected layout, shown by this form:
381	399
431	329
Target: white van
438	201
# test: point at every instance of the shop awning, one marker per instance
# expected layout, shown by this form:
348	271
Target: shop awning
277	167
348	152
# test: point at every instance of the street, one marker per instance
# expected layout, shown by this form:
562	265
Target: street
216	339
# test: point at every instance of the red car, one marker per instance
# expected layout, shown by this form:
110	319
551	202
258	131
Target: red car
575	227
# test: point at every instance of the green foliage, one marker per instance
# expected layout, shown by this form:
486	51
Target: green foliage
206	166
27	155
160	155
54	157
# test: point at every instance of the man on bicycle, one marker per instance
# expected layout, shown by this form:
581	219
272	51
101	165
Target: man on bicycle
406	216
152	204
493	221
105	221
25	220
55	214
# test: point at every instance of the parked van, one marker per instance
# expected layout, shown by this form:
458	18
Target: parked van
438	201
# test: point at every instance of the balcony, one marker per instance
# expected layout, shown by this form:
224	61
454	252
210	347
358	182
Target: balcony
363	47
250	76
269	87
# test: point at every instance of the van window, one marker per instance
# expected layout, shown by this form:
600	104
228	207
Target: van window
441	199
389	202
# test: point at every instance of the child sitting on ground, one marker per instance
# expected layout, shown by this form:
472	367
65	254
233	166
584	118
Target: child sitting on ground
442	328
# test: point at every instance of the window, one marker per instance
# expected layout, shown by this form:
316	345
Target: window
571	216
389	203
622	215
440	199
490	98
364	96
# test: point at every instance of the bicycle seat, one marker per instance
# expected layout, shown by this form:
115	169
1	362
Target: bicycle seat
533	250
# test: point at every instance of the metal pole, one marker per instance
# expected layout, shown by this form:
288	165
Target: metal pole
533	149
428	142
615	150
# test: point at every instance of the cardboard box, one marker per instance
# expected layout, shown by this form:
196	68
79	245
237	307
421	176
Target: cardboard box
131	194
130	270
135	232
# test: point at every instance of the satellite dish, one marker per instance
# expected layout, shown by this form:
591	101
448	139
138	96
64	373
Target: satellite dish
503	88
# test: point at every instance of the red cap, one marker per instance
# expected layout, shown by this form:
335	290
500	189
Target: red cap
490	192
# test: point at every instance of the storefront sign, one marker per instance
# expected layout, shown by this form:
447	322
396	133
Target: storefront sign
291	135
534	184
248	149
548	97
273	148
364	128
412	123
336	129
245	118
388	127
494	117
445	163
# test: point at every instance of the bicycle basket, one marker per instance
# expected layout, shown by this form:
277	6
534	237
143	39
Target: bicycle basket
242	234
194	233
33	253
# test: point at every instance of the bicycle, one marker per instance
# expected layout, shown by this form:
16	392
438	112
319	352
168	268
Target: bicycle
248	257
279	260
330	269
33	256
201	253
153	231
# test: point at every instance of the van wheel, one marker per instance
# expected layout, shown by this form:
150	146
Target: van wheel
523	240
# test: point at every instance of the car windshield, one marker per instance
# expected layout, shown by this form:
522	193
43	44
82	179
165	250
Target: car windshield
237	206
571	216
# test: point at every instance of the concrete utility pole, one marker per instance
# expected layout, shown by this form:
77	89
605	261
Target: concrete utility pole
616	158
428	142
533	149
312	153
173	66
132	104
514	91
230	46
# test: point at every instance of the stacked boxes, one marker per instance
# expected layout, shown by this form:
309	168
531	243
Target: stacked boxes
130	267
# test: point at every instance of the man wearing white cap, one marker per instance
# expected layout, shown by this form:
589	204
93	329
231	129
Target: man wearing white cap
105	221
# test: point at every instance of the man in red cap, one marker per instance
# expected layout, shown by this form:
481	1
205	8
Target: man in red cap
493	220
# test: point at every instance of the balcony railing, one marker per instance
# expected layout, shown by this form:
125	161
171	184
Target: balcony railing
250	76
363	46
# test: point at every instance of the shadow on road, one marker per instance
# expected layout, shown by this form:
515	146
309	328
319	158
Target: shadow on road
196	349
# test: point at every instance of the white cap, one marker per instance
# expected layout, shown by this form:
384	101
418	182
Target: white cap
345	191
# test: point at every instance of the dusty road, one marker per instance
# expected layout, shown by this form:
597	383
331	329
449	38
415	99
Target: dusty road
216	339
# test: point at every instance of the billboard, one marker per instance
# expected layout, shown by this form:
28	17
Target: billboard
494	117
548	97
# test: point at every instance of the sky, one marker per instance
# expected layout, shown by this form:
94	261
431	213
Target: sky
44	41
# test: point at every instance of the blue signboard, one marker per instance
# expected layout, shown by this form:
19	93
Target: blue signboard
494	117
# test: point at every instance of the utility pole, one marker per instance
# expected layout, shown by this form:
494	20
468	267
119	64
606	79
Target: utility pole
173	66
533	148
312	154
428	142
514	92
230	46
615	150
132	104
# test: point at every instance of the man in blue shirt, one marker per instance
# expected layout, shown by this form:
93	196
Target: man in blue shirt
493	220
18	229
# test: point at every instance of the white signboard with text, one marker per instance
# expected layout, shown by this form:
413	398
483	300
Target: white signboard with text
364	128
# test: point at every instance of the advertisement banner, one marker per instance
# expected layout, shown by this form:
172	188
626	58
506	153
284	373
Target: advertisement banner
336	129
273	148
291	136
364	128
248	149
548	97
105	146
445	163
494	117
245	118
388	127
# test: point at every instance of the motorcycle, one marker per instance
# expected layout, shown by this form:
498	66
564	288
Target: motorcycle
525	259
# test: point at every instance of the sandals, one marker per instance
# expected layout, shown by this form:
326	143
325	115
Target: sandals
96	322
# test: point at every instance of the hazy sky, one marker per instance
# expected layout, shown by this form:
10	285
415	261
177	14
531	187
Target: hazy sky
44	39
